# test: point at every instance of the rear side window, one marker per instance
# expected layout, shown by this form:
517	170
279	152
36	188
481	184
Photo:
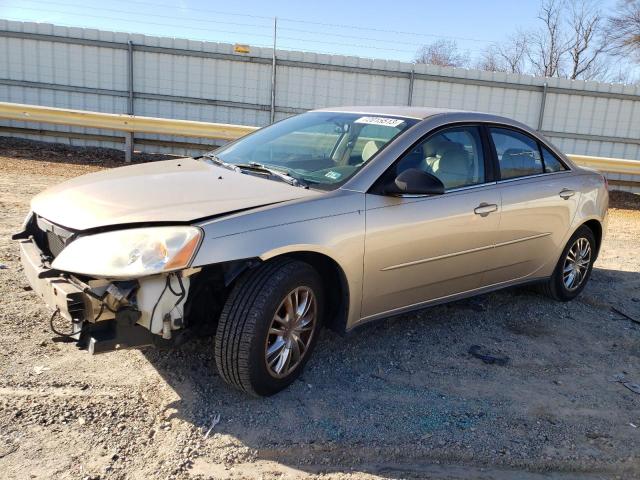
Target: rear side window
551	163
518	154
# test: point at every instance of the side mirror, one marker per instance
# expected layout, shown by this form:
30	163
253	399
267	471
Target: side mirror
414	181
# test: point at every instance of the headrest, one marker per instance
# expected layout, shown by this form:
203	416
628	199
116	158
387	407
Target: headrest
431	147
516	157
453	159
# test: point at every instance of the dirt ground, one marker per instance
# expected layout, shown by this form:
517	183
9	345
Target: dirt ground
402	398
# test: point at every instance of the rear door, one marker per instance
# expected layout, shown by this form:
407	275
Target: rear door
539	200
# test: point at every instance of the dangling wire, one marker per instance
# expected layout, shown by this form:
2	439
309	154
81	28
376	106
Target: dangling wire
62	334
182	293
168	286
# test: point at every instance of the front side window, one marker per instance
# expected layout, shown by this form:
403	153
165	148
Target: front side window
454	155
321	149
518	154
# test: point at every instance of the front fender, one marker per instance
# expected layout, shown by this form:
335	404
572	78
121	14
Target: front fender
332	225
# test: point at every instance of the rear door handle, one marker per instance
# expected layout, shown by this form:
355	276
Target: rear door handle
567	194
485	209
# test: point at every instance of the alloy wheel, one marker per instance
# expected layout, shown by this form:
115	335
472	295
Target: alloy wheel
290	332
576	264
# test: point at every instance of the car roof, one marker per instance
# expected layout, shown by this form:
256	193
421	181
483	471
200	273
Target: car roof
399	111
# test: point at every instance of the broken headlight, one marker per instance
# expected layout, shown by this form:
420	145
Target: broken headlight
130	253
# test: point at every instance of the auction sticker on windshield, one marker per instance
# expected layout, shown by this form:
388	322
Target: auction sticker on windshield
389	122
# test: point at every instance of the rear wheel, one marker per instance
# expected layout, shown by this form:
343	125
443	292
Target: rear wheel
269	326
574	267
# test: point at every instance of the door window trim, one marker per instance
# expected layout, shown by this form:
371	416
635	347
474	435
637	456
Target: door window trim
529	177
453	190
494	153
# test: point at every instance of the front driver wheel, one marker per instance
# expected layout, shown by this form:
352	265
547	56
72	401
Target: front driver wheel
574	267
269	326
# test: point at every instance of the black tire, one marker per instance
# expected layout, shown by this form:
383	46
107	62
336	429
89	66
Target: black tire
246	318
555	287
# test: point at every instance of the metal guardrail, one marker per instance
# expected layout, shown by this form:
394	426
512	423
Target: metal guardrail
122	122
189	128
608	165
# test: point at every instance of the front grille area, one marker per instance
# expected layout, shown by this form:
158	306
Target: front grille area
49	237
55	243
75	306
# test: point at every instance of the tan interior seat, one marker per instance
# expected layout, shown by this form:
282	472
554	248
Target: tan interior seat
452	166
430	150
370	149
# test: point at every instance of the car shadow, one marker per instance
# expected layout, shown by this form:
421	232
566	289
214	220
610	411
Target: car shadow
404	397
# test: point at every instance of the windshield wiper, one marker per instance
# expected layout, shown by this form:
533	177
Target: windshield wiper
283	175
221	163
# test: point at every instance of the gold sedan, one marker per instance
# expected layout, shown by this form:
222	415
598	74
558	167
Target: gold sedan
335	217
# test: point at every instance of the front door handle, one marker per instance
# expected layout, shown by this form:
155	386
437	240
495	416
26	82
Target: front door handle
567	194
485	209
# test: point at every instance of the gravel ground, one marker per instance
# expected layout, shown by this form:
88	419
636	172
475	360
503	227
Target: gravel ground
399	399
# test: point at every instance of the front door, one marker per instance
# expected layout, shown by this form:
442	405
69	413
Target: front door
426	248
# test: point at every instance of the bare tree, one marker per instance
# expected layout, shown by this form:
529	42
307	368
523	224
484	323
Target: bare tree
624	28
548	45
444	53
624	76
586	43
571	42
490	60
575	40
514	52
508	57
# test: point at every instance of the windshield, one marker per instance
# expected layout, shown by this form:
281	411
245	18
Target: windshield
322	149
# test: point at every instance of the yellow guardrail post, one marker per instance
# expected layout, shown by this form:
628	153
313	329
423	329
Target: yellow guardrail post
128	137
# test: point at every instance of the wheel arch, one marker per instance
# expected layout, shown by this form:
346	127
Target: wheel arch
596	227
221	277
594	224
334	280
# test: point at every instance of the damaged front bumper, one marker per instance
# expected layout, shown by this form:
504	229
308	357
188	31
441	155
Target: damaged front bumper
103	315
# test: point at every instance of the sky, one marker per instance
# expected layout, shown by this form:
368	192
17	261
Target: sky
374	28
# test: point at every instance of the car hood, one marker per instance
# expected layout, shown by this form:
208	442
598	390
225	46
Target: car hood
165	191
